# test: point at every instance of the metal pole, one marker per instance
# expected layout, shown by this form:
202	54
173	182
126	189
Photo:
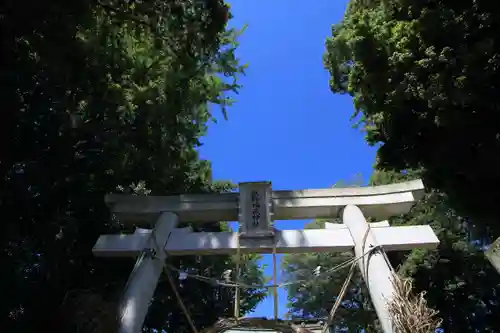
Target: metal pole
376	271
144	278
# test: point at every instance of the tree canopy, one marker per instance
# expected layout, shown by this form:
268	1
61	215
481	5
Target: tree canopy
424	76
98	97
458	280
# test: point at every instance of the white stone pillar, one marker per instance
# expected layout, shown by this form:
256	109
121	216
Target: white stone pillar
143	280
374	267
493	254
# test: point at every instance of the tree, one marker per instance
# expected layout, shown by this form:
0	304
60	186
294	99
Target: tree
459	282
103	96
424	76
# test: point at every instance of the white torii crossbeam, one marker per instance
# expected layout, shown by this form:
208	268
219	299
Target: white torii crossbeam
255	207
286	241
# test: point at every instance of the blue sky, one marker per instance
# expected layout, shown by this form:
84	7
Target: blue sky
286	126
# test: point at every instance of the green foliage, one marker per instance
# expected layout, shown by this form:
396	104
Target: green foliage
98	97
460	283
424	76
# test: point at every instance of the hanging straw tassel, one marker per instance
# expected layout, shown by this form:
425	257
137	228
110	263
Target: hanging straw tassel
410	313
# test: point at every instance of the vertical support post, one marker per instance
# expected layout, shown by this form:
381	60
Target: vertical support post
375	269
144	278
493	254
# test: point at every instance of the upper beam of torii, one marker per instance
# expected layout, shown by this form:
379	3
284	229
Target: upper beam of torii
255	206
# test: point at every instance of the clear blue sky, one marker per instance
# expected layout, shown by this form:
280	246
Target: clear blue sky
287	127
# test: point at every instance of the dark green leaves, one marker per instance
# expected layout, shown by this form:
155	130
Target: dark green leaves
424	76
100	96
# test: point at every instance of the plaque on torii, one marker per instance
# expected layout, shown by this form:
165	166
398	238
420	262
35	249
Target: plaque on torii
255	210
255	207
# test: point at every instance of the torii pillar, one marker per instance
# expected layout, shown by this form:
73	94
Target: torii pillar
493	254
144	278
375	269
255	207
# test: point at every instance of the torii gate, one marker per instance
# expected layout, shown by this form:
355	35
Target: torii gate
255	206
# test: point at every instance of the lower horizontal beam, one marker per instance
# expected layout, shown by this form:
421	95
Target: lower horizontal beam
206	243
286	241
406	238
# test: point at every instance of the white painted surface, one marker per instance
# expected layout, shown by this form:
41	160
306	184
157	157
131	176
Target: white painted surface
286	241
206	243
376	271
337	239
121	245
379	202
336	226
493	254
406	237
142	282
